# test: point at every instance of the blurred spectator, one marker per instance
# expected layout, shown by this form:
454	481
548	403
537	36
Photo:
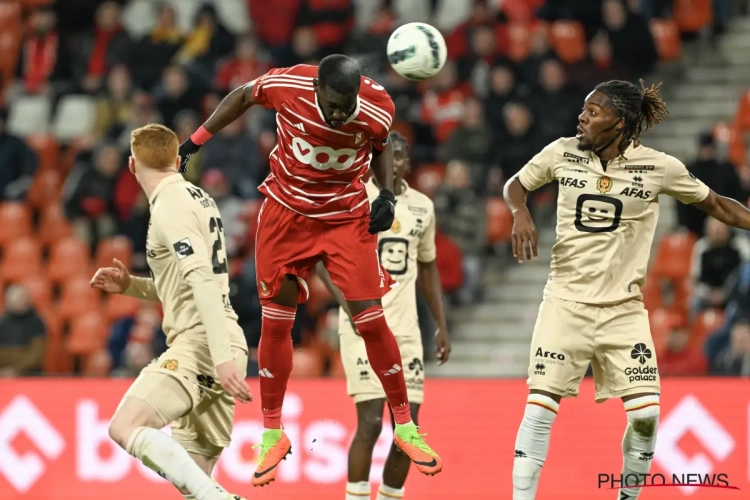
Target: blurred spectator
504	86
520	138
443	102
115	105
89	195
471	141
330	21
475	66
18	163
22	335
143	113
558	102
176	93
131	337
104	45
678	357
599	65
540	52
630	36
43	63
304	49
237	156
186	122
157	49
461	216
274	23
734	360
717	175
716	257
244	66
458	41
231	209
207	41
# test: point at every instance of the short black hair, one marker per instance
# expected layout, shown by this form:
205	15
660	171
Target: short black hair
641	108
398	138
339	73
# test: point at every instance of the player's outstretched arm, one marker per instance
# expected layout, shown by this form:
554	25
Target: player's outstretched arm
322	272
729	211
524	235
383	207
117	279
231	107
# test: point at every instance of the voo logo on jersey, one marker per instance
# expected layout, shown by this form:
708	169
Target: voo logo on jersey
322	157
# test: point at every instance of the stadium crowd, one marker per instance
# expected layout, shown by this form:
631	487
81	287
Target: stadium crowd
514	82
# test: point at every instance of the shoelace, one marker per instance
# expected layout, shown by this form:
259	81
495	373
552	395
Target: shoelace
417	440
264	449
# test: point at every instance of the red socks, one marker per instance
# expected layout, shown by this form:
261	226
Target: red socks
275	360
385	359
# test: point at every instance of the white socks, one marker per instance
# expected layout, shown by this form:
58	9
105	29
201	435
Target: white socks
361	491
639	443
388	493
532	444
166	457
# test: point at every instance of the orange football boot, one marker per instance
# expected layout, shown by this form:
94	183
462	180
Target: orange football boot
410	441
274	448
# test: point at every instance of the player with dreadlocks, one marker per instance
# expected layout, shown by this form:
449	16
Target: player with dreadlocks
592	311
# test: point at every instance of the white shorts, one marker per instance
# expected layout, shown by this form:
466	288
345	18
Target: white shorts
363	385
616	340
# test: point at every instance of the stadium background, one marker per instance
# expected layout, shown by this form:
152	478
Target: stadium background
79	75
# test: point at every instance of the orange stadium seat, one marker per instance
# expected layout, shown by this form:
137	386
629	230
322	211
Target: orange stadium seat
673	256
21	258
69	257
705	324
337	367
662	321
427	178
569	40
743	112
56	358
77	298
46	188
499	221
732	137
652	293
88	333
10	36
46	148
15	221
667	38
307	363
119	248
32	4
53	225
121	306
40	291
691	16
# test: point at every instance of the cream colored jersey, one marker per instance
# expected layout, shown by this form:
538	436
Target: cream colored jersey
186	232
606	216
410	240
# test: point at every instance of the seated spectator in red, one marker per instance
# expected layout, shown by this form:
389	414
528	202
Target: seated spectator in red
89	195
678	357
157	49
244	66
330	20
208	41
599	65
98	49
22	335
274	22
43	60
18	163
443	102
734	360
448	262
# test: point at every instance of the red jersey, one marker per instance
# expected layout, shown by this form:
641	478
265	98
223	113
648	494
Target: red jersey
317	171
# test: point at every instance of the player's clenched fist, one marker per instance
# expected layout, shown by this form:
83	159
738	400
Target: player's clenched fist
112	279
187	150
232	382
382	212
524	236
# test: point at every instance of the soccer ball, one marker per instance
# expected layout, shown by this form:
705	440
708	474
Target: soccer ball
417	51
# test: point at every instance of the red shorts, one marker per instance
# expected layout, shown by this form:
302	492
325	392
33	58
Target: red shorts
290	243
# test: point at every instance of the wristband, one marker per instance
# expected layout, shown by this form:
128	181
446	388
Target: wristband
200	136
